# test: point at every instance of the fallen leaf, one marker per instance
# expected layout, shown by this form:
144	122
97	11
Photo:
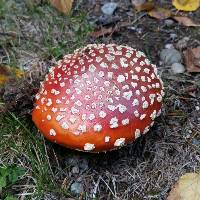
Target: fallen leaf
103	31
160	13
143	5
192	59
186	5
63	6
186	21
187	188
7	73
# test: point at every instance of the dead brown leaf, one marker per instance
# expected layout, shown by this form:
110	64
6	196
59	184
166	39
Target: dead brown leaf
187	188
186	21
143	5
160	13
192	59
63	6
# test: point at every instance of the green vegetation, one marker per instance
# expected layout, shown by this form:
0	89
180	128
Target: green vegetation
32	31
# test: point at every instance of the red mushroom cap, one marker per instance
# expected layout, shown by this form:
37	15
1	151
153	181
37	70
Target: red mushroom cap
99	98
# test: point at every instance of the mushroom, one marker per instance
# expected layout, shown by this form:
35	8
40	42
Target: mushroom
99	98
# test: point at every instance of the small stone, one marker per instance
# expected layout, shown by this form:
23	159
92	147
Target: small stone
109	8
196	142
169	22
76	188
169	46
177	68
170	56
197	108
75	170
173	36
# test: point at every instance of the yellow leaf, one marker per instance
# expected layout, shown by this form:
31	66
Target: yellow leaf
187	188
186	5
7	73
160	13
143	5
63	6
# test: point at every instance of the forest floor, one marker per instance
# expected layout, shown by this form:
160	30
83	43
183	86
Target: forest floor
32	38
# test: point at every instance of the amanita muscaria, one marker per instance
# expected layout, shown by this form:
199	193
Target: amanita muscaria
99	98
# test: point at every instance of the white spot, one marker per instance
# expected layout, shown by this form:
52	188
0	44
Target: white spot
114	66
89	147
122	62
125	87
107	83
143	88
78	103
37	96
52	132
78	91
153	115
136	113
62	84
92	68
49	117
54	110
74	110
68	91
56	92
37	107
145	105
120	79
135	77
42	100
146	130
91	117
64	125
137	92
102	114
107	139
87	97
122	108
159	98
135	102
84	117
146	70
104	65
82	128
85	76
98	59
58	101
97	127
128	95
59	117
125	121
72	119
119	142
143	78
111	107
137	133
110	75
114	122
138	69
49	102
101	74
142	116
134	85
